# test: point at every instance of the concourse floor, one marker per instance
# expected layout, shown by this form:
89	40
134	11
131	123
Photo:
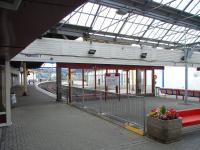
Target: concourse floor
39	123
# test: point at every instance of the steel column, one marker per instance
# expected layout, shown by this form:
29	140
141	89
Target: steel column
83	79
153	83
127	82
163	78
145	81
58	84
7	92
186	83
25	79
95	79
70	82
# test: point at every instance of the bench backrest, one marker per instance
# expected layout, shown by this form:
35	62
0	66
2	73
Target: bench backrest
189	112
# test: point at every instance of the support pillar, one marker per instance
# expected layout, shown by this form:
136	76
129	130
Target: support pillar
145	81
186	83
137	82
83	79
117	88
153	82
133	79
127	87
70	82
7	94
163	78
25	79
95	80
21	78
58	84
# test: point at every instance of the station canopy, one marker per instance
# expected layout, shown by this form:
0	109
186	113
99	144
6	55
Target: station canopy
171	24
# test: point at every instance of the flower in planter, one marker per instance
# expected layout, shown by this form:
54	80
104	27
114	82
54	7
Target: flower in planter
163	113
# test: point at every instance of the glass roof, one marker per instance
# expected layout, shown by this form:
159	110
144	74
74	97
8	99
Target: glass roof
101	20
189	6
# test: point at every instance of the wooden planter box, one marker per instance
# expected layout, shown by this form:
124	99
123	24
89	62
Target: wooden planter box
165	131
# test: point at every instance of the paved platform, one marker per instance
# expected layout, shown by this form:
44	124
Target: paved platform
39	123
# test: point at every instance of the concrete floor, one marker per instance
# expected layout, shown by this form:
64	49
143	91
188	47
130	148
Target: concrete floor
39	123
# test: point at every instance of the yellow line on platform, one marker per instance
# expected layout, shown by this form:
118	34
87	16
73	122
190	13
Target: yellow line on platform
134	129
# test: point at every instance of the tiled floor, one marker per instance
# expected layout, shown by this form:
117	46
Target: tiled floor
39	123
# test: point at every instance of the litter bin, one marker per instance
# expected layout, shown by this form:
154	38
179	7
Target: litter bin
13	99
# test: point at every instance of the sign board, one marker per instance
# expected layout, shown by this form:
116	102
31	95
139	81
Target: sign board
112	80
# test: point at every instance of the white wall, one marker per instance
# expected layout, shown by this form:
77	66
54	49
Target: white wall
77	52
175	78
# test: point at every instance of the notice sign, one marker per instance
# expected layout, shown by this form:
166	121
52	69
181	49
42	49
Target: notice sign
112	80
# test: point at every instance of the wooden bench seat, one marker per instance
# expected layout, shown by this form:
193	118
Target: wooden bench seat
190	120
189	116
180	92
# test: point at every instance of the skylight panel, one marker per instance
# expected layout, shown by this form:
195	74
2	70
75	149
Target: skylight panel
132	29
139	29
183	4
89	21
82	19
106	24
177	37
175	4
139	19
142	31
74	19
158	1
167	26
148	21
192	6
147	34
159	33
197	40
132	18
87	8
126	27
113	26
166	2
162	34
119	25
107	20
104	11
94	9
196	9
98	23
154	33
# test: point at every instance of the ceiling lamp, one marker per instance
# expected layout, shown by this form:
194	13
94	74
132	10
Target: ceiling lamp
121	12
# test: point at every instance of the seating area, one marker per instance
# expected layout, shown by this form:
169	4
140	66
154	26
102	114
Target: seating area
180	92
190	116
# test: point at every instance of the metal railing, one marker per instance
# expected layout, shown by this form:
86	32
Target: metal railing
124	108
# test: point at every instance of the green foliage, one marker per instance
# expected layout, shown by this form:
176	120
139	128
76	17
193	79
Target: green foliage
163	110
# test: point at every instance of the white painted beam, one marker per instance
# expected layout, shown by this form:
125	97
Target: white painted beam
68	51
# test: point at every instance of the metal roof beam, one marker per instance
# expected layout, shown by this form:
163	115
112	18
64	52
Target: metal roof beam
79	31
155	11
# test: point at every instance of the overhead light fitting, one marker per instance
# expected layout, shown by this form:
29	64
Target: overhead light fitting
183	58
143	55
121	12
92	51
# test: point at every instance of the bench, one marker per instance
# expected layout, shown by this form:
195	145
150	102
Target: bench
180	92
189	116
